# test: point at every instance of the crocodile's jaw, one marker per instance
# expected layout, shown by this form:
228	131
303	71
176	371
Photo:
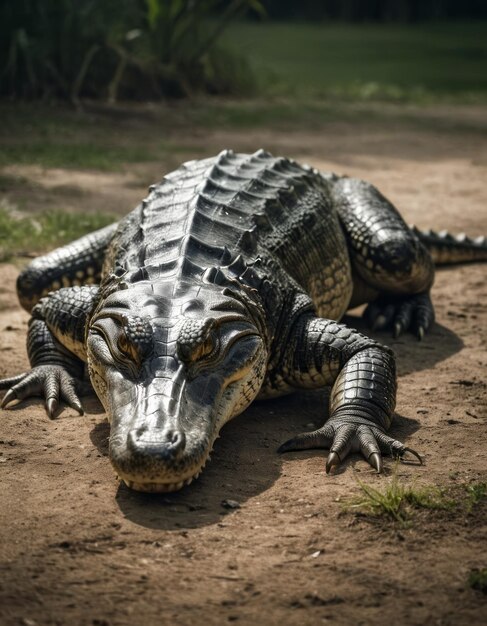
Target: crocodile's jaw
162	433
155	484
158	487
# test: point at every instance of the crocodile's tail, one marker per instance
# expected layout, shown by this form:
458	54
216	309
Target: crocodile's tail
447	249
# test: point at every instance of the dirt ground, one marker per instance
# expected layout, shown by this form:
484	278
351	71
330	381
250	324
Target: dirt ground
79	548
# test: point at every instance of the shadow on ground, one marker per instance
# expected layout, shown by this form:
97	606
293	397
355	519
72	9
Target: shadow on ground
247	447
439	344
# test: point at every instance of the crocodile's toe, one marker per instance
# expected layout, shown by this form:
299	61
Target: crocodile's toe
413	314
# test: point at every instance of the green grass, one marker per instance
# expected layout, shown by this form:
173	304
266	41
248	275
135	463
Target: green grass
108	138
477	579
79	155
103	140
397	501
367	61
476	493
26	235
278	114
310	75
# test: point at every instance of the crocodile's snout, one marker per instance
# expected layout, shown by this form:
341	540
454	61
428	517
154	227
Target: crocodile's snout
150	458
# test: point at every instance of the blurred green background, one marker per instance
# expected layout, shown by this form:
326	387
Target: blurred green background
98	97
394	61
150	49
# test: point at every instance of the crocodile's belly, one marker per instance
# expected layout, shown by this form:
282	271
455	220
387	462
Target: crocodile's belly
331	288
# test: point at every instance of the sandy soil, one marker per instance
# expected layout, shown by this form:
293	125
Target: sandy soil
79	548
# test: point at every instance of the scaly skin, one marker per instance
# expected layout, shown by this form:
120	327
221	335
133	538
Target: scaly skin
222	286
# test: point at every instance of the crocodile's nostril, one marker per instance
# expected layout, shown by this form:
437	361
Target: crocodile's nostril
177	438
140	431
156	442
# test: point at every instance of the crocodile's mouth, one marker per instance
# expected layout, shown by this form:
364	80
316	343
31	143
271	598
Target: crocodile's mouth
157	487
156	468
151	485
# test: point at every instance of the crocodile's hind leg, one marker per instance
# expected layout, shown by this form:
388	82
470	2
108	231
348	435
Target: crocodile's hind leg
77	263
392	269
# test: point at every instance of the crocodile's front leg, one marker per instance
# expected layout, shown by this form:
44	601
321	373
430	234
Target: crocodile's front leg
56	349
321	352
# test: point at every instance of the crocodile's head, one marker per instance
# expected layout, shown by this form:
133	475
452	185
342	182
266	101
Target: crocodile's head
171	369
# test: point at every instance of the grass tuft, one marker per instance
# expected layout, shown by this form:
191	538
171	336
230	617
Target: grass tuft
397	501
476	493
477	579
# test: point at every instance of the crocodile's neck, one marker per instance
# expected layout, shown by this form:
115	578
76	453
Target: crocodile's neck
198	290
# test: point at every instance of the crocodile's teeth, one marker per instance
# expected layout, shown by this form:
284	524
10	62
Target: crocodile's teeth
149	487
153	487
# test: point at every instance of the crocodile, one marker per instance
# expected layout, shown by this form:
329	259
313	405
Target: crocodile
227	284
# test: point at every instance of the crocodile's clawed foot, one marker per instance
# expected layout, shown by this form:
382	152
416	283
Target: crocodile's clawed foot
411	313
52	382
341	439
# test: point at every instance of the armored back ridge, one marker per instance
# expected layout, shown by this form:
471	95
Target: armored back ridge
225	284
208	213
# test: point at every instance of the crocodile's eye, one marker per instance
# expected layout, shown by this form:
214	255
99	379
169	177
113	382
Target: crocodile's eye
123	350
128	348
197	340
205	348
198	350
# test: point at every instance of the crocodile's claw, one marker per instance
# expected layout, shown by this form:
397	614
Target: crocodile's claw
53	382
411	313
341	439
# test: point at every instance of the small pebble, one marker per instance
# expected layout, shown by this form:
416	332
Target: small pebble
230	504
